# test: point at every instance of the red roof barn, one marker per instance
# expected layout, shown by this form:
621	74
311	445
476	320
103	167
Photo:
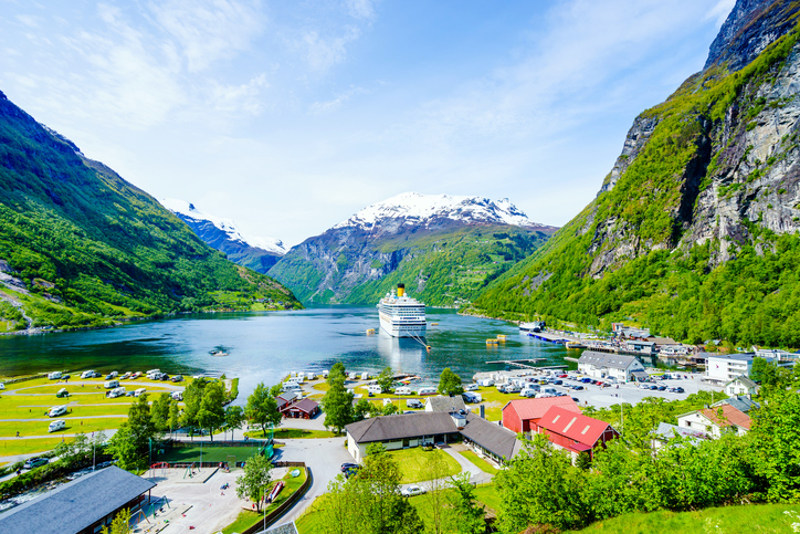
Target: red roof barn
302	409
574	432
523	415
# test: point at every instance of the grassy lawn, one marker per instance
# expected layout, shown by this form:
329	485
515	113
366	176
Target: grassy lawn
414	464
487	494
246	518
745	519
311	522
13	447
479	462
39	428
209	454
293	433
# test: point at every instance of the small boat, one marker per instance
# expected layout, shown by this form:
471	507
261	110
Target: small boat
275	491
492	341
575	345
218	353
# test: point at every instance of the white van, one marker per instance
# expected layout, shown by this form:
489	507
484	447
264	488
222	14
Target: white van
56	425
414	403
365	376
426	391
177	395
139	392
485	382
55	375
402	390
470	396
117	392
374	389
111	384
325	373
88	374
55	411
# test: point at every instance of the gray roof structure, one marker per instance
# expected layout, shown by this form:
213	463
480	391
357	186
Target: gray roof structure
603	359
394	427
286	528
666	432
742	403
446	404
75	505
491	436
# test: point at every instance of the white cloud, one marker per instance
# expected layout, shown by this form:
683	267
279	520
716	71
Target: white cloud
328	106
209	30
323	52
720	11
247	97
361	9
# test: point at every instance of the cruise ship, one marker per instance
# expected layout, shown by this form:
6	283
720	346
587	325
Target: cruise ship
400	315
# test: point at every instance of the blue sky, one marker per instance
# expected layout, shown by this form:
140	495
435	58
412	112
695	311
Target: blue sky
290	116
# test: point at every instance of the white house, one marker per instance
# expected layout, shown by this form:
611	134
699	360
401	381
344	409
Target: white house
601	365
722	368
741	385
715	421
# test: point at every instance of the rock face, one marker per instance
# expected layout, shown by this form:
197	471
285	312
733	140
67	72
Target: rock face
436	244
256	253
704	194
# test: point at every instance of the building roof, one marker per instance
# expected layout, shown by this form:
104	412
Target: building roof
75	505
728	416
747	357
602	359
305	405
666	431
394	427
585	430
285	398
742	403
528	409
491	436
441	403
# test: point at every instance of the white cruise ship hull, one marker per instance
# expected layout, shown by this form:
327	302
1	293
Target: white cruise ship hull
402	326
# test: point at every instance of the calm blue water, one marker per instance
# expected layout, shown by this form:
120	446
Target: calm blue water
265	346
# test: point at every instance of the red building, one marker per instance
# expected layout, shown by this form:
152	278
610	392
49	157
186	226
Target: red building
302	409
523	415
574	432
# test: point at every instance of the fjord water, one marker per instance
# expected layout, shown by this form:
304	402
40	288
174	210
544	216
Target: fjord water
265	346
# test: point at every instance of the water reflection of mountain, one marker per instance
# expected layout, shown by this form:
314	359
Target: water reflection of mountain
403	355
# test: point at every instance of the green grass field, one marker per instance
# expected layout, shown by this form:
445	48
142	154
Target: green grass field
479	462
247	519
745	519
12	447
208	454
292	433
415	464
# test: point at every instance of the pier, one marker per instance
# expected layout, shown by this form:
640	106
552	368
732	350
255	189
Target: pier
525	363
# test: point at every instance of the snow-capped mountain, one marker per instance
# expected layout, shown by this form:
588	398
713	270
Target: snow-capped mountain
445	247
416	209
257	253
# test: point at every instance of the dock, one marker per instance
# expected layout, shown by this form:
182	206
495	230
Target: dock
524	363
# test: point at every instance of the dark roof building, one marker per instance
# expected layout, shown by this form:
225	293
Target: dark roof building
441	403
80	506
304	409
490	438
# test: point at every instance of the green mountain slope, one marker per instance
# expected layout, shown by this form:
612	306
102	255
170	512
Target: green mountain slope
80	246
695	231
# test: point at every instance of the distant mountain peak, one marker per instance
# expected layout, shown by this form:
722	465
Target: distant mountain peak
189	210
417	209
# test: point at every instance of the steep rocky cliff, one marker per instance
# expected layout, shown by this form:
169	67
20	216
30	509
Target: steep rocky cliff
694	231
443	248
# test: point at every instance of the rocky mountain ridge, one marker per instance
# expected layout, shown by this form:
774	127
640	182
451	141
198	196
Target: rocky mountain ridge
423	239
257	253
703	202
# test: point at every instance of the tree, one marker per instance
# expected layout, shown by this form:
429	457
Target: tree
211	414
252	485
262	408
120	524
234	417
192	397
337	403
390	408
776	434
122	448
174	416
450	383
362	409
159	412
468	514
141	425
385	380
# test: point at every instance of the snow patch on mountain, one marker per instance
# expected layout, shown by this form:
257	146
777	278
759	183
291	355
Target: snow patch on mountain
417	209
187	209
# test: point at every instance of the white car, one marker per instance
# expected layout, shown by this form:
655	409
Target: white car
411	490
471	387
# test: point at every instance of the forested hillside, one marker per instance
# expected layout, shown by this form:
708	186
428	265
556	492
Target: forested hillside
80	246
695	230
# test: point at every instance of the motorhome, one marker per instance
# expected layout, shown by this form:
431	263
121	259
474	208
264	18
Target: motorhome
111	384
55	375
88	374
55	411
117	392
365	376
402	390
426	391
374	389
470	396
139	392
485	382
54	426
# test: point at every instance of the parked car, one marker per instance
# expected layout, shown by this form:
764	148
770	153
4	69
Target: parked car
471	387
30	463
177	378
411	490
345	466
62	393
112	374
413	403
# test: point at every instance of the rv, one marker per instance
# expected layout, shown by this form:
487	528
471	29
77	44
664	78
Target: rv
62	393
88	374
485	382
55	375
402	390
139	392
54	426
374	389
470	396
177	395
55	411
111	384
413	403
365	376
117	392
427	390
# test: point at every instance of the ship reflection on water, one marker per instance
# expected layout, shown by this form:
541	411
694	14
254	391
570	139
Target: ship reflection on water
403	355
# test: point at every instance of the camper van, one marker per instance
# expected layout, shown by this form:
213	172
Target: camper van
88	374
117	392
55	411
414	403
139	392
485	382
365	376
55	375
62	393
56	425
177	395
427	391
374	389
111	384
470	396
402	390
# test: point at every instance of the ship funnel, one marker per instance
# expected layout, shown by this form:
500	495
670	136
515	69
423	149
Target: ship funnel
401	290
